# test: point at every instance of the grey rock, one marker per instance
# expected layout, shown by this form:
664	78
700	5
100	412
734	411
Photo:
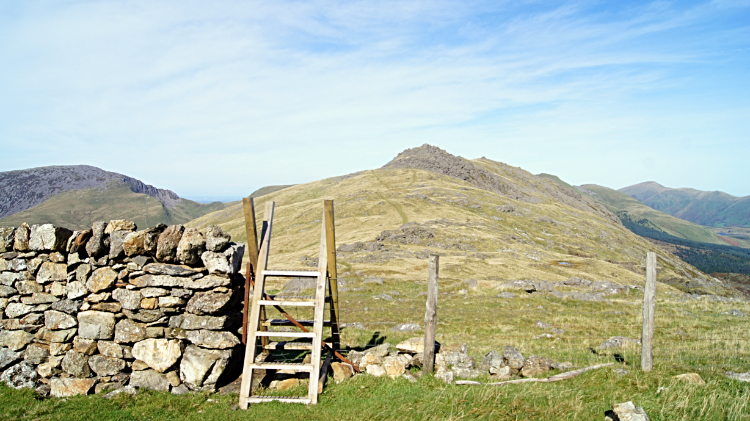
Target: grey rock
50	368
140	262
129	390
629	412
181	293
16	310
36	354
492	362
116	244
180	390
82	272
216	238
69	386
405	327
563	366
56	336
742	377
228	261
9	357
144	316
21	239
28	287
7	237
75	289
67	306
166	249
213	339
210	302
154	292
106	366
190	247
513	358
128	331
194	322
617	342
167	281
21	375
96	325
84	346
6	291
57	320
200	368
379	351
168	269
50	272
135	243
102	279
39	298
159	354
48	237
466	373
110	349
128	299
445	376
97	247
18	265
76	364
207	282
150	379
10	278
536	365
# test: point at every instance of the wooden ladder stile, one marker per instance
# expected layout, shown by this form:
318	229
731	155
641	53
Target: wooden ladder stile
258	326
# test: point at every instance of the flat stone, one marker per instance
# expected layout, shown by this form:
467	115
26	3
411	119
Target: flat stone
108	307
15	339
379	351
167	281
128	331
56	320
228	261
39	298
21	375
213	339
96	325
150	379
144	316
120	225
128	299
106	366
190	247
149	303
9	357
155	331
49	237
692	378
49	272
102	279
167	269
154	292
10	278
207	282
196	365
57	336
75	289
96	298
193	322
29	287
50	368
166	248
159	354
68	386
210	302
341	371
169	302
629	412
76	364
6	291
413	345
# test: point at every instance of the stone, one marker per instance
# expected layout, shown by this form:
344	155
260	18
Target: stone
150	379
21	238
166	248
128	331
82	272
135	244
9	357
10	278
466	373
57	336
49	272
75	289
405	327
536	365
57	289
492	362
56	348
446	376
375	370
216	238
228	261
50	368
414	345
15	339
692	378
49	237
7	237
39	298
190	247
629	412
106	366
108	307
158	281
116	241
368	360
193	322
213	339
286	384
28	287
56	320
96	325
207	282
513	358
341	371
76	364
110	349
394	366
168	269
102	279
139	262
154	292
742	377
159	354
96	247
501	373
180	390
379	351
210	302
563	366
196	365
173	377
6	291
144	316
169	302
21	375
32	319
120	225
139	365
155	331
149	303
128	299
617	342
68	386
96	298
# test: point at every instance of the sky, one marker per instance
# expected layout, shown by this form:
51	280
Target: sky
216	99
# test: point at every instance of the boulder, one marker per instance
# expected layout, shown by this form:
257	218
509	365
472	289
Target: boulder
9	357
216	238
213	339
150	379
228	261
49	272
7	237
15	340
190	247
128	299
49	237
210	302
159	354
167	269
106	366
76	364
445	375
135	243
128	331
341	371
69	386
202	367
56	320
21	375
21	238
193	322
120	225
166	248
96	325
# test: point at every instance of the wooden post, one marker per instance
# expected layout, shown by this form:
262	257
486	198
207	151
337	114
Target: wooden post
649	303
430	317
252	251
332	273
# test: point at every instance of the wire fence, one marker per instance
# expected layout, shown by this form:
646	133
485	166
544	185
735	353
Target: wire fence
579	322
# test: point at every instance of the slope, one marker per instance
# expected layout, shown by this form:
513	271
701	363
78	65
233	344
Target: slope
487	220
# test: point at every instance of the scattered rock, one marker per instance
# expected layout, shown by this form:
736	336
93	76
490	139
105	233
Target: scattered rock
627	412
692	378
341	371
405	327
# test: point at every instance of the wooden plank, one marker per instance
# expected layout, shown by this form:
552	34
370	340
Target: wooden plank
288	303
286	334
254	318
248	205
324	371
298	273
283	366
282	399
320	293
430	316
290	346
649	306
330	227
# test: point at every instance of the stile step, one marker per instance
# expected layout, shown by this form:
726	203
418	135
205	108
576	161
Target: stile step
291	273
284	399
285	322
289	346
281	366
285	334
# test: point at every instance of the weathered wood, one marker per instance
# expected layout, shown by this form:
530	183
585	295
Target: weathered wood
430	316
551	379
330	227
248	205
320	293
254	318
649	305
324	371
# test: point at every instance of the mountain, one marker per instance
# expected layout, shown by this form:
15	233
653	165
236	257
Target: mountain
488	221
76	196
715	209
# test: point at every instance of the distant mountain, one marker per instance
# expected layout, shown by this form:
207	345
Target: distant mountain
715	209
76	196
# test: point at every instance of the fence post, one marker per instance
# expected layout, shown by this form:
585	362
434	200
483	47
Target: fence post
430	317
649	302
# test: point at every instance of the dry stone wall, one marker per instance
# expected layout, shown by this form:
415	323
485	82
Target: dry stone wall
114	307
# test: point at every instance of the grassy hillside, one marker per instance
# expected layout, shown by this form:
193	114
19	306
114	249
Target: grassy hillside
716	209
401	215
78	209
268	190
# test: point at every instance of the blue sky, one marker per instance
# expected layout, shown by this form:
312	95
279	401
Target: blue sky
216	99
